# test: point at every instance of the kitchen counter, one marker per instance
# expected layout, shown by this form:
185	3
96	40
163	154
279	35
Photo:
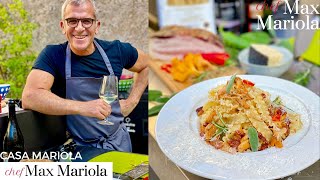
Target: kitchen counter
166	169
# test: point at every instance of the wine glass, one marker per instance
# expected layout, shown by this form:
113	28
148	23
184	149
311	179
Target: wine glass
109	93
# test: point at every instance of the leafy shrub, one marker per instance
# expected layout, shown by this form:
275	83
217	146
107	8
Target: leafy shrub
16	56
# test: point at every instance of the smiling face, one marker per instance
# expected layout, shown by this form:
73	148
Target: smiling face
80	38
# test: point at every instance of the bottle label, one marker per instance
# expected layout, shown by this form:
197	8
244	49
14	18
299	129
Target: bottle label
253	12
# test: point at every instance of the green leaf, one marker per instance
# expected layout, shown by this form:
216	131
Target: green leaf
253	138
201	77
233	53
257	37
154	94
232	40
230	84
155	110
162	99
277	100
303	78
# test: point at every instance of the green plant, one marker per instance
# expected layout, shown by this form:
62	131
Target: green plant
156	96
16	57
303	77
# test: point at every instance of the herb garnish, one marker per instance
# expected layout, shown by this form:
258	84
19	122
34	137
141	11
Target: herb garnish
253	139
277	101
157	97
230	84
303	77
201	77
222	129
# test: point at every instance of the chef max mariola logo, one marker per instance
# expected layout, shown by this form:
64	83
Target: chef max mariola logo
37	170
295	8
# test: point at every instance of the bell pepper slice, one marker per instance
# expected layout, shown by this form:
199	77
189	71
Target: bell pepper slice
166	68
249	83
217	58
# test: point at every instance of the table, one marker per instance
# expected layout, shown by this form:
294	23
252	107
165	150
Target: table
166	169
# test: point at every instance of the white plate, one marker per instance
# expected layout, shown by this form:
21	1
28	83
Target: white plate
177	133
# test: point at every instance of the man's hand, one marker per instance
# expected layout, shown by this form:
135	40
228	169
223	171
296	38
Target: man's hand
127	106
95	108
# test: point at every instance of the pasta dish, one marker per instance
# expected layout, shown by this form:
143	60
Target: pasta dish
239	117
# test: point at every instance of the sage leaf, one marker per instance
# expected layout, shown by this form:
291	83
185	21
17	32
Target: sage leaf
253	139
155	110
230	84
303	78
162	99
201	77
257	37
154	94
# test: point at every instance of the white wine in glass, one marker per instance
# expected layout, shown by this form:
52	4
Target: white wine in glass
109	93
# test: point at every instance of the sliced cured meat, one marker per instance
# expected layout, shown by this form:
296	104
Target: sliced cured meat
178	46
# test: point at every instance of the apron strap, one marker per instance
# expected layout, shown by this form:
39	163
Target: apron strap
68	62
104	57
102	53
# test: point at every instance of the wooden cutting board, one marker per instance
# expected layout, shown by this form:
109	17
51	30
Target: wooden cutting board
176	86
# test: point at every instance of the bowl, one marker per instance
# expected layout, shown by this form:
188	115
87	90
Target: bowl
274	71
125	84
4	90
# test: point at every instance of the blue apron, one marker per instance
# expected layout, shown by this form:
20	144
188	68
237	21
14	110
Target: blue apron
85	130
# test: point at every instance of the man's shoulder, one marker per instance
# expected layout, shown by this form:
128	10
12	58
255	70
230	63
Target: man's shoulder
55	48
52	53
110	44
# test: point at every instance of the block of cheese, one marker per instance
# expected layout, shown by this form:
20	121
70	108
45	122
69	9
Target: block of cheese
264	55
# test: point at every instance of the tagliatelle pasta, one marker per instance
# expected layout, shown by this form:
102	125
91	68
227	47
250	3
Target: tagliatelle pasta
238	105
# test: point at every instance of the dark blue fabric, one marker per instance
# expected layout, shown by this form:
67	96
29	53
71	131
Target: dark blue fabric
52	60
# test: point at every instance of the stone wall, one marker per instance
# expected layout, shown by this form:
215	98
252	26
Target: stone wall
126	20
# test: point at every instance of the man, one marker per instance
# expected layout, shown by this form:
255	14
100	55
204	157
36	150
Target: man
65	79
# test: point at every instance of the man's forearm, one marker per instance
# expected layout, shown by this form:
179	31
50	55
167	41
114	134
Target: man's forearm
139	85
46	102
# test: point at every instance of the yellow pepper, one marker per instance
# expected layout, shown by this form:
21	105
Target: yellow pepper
190	65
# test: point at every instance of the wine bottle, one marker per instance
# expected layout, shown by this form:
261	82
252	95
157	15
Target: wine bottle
255	9
13	141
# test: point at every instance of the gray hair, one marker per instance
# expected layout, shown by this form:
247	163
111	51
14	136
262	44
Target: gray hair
77	3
